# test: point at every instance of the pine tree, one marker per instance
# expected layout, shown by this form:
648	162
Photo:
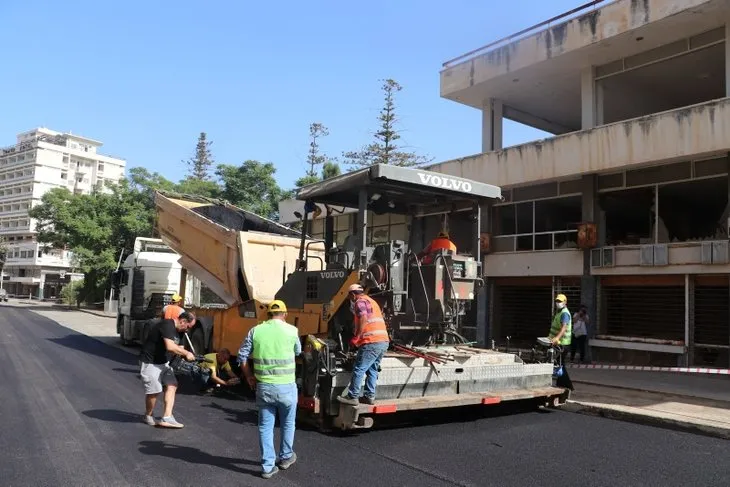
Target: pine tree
200	165
385	149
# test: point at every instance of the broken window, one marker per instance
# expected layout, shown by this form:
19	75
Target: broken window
628	216
694	210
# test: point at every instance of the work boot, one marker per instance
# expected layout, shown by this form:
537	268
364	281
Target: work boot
367	400
348	399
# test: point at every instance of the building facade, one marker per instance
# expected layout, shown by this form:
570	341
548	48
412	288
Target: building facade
636	97
40	160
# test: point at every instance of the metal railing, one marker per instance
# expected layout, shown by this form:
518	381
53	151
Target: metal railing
520	34
568	236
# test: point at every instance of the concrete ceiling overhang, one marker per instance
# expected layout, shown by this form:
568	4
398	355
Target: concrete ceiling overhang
538	78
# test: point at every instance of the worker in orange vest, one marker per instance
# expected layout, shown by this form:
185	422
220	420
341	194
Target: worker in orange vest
442	242
371	338
174	309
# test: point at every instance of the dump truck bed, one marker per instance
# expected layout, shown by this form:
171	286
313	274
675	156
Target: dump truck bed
239	255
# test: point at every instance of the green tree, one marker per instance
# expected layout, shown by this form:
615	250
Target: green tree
316	158
71	293
252	186
141	180
385	148
95	227
330	170
199	187
199	166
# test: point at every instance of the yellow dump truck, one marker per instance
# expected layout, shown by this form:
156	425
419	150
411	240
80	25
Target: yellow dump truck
249	261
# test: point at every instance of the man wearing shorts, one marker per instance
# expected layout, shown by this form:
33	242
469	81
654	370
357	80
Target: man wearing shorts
155	367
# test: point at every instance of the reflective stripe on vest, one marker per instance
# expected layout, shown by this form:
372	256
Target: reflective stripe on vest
273	352
557	326
371	328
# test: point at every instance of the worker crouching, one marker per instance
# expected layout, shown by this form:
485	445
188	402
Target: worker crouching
371	338
273	345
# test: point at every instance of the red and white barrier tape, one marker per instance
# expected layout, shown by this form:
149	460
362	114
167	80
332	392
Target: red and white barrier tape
686	370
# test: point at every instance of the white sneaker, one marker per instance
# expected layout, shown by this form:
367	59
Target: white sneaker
169	422
150	420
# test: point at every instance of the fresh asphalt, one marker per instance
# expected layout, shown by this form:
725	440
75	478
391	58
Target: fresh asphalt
70	413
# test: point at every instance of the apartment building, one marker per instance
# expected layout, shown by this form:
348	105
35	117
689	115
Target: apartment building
625	207
42	159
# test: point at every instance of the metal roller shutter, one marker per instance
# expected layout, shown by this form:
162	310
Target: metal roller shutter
521	310
570	286
711	318
643	307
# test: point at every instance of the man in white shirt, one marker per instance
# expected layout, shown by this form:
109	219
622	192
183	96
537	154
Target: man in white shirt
580	334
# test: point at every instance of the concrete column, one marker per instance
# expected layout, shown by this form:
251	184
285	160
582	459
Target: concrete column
727	59
588	283
689	319
482	294
591	94
492	117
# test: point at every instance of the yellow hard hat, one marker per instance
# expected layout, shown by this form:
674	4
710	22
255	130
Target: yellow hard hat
561	298
277	306
176	297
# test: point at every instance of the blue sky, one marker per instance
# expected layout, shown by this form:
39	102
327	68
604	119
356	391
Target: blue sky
146	77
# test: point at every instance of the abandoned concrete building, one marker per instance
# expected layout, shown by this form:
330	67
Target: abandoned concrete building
625	208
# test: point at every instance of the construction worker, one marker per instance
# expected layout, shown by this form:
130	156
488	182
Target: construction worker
174	309
561	329
371	337
273	346
442	242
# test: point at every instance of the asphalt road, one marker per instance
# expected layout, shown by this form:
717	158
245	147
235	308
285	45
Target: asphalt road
70	415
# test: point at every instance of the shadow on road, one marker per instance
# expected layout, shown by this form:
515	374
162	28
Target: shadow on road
131	371
93	346
250	416
194	455
114	415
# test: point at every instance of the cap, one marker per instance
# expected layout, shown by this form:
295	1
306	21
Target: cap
277	306
561	298
176	297
355	288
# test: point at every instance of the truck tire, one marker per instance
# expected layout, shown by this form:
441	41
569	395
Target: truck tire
125	330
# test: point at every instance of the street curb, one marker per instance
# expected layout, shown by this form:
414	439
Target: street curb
83	310
644	419
720	402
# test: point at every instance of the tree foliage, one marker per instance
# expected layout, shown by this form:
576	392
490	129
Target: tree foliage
252	186
96	227
385	149
317	159
200	165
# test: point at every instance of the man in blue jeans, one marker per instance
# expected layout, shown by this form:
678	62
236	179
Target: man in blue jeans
371	337
273	346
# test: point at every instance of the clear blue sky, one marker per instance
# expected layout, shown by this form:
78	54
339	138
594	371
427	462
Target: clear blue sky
145	77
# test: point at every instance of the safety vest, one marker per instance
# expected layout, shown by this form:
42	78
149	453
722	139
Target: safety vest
273	352
172	311
556	326
437	245
370	328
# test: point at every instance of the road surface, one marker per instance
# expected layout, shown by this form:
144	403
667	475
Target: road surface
71	409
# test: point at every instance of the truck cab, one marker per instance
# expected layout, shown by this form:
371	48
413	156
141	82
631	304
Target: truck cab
145	282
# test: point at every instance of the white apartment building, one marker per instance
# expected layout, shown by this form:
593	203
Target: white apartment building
42	159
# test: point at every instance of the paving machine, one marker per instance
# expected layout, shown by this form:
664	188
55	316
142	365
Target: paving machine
430	364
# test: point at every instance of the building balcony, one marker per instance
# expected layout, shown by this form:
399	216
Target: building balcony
694	132
701	257
531	69
538	263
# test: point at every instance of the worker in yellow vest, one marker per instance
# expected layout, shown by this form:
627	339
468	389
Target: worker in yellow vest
273	346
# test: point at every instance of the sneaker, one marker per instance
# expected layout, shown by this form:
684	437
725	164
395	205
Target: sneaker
170	422
367	400
284	464
348	399
150	420
271	473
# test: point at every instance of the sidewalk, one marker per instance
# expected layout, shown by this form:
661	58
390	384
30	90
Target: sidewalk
691	402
